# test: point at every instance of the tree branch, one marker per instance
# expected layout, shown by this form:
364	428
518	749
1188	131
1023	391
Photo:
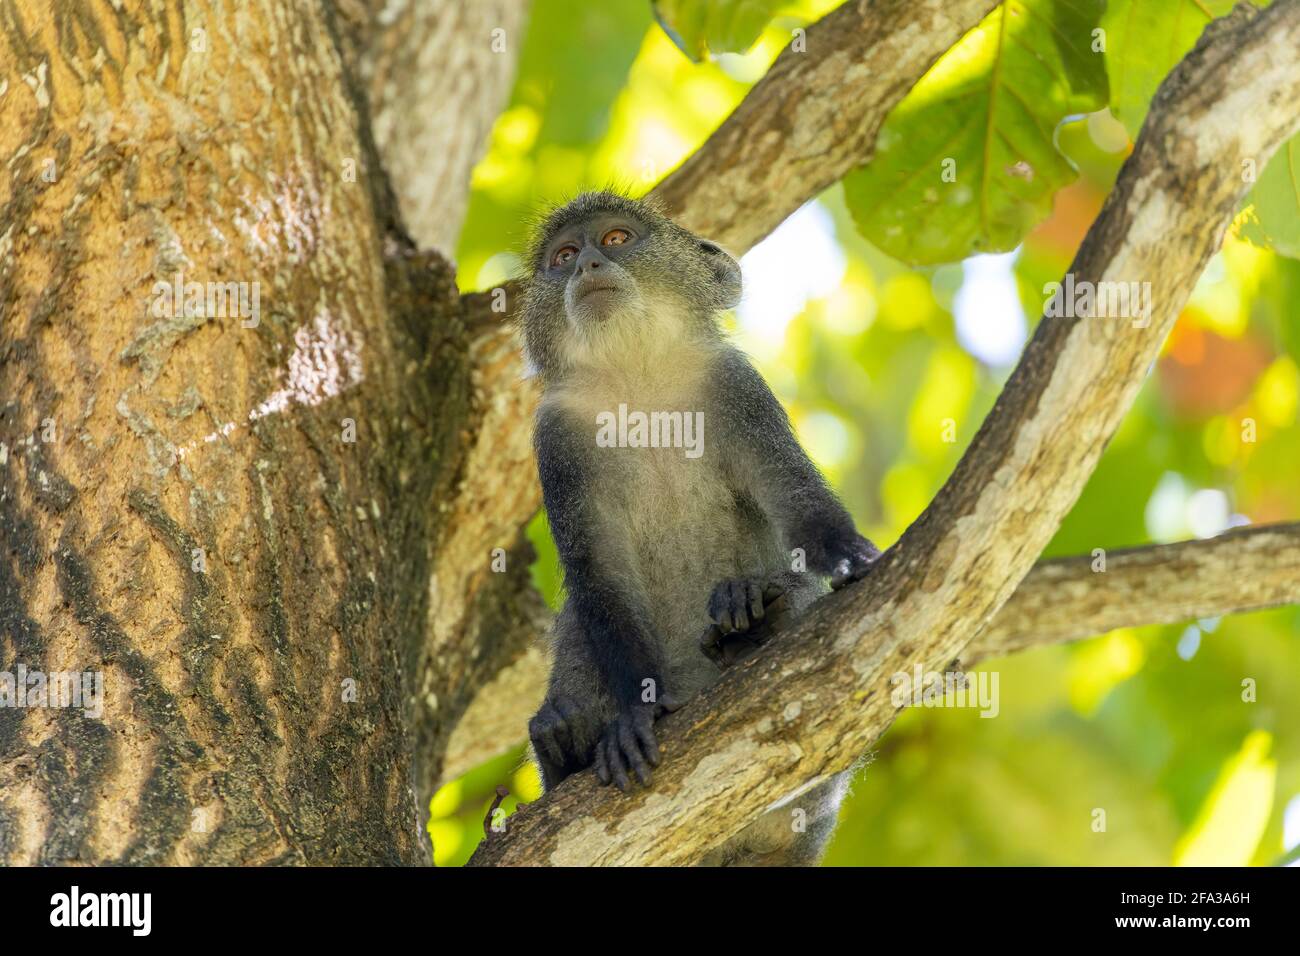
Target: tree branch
778	721
434	75
813	117
1064	599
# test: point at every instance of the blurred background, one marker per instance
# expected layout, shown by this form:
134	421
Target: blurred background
887	370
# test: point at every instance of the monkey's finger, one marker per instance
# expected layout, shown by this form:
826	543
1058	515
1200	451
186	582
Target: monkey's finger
627	741
616	768
723	605
711	645
645	735
755	593
565	739
738	599
602	765
772	591
841	574
551	746
541	731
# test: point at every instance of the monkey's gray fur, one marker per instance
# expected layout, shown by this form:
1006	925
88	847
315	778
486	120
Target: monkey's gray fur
672	563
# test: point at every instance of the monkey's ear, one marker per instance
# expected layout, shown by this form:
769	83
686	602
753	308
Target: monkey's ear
727	272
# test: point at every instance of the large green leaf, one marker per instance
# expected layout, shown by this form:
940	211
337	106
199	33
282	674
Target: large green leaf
1144	40
1273	206
967	162
719	26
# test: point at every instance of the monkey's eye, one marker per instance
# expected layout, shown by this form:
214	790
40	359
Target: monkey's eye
616	237
564	255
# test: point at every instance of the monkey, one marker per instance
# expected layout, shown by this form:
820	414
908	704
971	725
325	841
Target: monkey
674	555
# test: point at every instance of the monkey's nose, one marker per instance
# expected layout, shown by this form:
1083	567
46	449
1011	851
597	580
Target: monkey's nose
590	260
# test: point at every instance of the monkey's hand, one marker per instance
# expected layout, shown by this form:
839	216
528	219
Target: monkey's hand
742	611
629	743
563	734
851	559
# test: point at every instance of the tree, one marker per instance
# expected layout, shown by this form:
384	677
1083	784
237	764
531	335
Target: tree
258	448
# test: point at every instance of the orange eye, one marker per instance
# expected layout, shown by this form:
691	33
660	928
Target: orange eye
563	255
616	237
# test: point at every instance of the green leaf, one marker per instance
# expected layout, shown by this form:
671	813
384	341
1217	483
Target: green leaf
1273	206
719	26
1144	40
967	162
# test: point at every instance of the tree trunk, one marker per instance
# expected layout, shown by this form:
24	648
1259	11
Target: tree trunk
228	515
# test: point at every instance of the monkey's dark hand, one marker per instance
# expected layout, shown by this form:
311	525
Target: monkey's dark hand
851	559
563	734
741	611
629	743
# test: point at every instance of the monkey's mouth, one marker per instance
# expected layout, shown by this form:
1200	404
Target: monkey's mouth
605	288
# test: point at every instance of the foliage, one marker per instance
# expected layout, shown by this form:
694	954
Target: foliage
968	162
700	26
888	370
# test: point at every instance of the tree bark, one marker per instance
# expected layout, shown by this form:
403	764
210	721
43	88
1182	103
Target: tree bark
231	523
778	723
436	75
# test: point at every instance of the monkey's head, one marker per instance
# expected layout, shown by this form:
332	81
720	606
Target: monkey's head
610	274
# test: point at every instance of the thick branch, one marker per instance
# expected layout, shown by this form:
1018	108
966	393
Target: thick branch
1067	598
813	117
1061	599
779	720
434	75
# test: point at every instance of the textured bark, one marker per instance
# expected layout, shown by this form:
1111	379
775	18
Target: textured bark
810	705
437	73
1066	598
1061	599
478	621
197	527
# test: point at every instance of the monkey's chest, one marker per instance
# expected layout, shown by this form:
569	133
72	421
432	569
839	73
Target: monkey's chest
679	528
678	514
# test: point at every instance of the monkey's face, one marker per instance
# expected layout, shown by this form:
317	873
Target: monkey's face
591	257
613	277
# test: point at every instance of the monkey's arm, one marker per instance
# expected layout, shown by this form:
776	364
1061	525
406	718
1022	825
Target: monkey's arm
610	637
764	458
